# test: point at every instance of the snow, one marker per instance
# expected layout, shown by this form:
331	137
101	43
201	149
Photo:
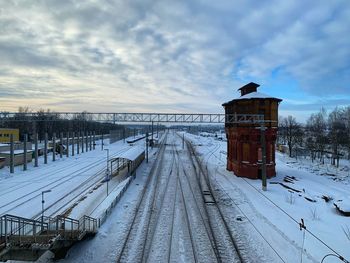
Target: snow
16	152
69	178
266	222
277	212
343	205
255	95
103	247
132	154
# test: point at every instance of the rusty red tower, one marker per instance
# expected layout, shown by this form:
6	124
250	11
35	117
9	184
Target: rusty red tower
244	154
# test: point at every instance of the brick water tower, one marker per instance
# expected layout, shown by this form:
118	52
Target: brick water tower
244	151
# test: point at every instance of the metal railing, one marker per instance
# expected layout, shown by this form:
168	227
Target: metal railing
19	226
19	230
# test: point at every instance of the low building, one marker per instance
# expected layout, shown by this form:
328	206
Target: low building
5	134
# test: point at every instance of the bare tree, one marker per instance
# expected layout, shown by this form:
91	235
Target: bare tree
293	133
317	139
337	133
346	115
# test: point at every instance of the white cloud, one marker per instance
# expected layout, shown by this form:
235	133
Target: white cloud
189	55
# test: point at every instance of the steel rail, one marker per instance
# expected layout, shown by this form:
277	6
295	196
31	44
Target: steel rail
146	254
207	181
208	228
142	200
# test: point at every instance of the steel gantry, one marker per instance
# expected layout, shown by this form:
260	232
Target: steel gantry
134	117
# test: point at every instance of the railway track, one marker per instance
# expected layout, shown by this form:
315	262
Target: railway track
173	219
222	228
87	184
132	249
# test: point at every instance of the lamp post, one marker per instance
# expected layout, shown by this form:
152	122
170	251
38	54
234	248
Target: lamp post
107	170
42	205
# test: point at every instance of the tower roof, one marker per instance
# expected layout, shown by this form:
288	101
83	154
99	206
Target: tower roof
249	91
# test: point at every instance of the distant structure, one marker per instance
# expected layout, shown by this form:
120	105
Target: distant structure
5	134
244	152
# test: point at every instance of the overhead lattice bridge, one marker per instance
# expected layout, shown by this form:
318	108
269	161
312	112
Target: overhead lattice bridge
135	117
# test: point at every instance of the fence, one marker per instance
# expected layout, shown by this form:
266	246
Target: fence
103	216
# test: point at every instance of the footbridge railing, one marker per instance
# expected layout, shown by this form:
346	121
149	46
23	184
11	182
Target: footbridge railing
217	118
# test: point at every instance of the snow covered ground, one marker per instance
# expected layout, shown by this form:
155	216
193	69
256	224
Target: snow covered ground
265	224
70	179
274	215
164	220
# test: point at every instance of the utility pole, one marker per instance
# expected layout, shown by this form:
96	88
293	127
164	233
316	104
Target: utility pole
67	142
152	136
54	147
102	141
45	148
263	153
124	134
42	205
12	155
107	170
147	147
36	150
94	140
25	152
73	143
61	144
78	142
183	141
86	141
82	142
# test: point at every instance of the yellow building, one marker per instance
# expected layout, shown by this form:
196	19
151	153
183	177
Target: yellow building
5	135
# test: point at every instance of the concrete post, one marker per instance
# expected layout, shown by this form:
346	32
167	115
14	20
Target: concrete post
61	144
67	143
183	141
73	142
152	136
90	140
36	150
45	148
94	140
12	155
82	142
86	141
147	147
78	142
102	141
124	134
54	147
25	152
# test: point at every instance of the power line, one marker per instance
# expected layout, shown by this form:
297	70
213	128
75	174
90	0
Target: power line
307	230
257	230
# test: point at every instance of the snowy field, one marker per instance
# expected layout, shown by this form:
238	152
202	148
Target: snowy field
274	215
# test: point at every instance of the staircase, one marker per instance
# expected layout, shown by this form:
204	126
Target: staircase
27	239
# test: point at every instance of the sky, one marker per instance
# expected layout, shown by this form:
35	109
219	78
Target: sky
173	56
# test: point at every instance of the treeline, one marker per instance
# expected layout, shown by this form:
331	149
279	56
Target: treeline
45	121
324	134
